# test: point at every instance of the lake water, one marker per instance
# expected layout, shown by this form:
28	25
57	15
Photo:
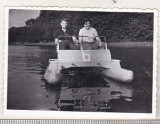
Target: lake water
81	92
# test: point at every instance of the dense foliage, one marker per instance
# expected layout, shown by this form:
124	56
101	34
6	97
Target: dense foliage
116	27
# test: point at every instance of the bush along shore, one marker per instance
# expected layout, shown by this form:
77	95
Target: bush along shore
116	27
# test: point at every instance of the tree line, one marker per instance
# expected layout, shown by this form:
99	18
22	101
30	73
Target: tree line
116	27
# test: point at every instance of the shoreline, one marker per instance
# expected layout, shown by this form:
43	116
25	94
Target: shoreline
131	44
115	44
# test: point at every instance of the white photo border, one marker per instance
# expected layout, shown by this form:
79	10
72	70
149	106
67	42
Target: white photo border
82	115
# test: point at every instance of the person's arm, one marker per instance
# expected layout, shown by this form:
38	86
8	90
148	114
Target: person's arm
80	39
56	38
98	39
75	40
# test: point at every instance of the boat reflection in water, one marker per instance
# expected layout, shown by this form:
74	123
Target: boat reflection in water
83	89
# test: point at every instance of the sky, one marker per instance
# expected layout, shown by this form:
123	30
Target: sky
17	18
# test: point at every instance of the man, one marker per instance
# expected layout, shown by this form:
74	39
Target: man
88	37
65	37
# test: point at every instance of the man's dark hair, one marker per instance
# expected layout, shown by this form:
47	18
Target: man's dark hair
87	20
64	19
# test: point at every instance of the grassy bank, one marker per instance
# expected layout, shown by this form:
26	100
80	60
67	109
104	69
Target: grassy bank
41	44
131	44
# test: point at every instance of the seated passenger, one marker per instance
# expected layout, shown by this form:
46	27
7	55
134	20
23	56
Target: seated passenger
65	37
88	37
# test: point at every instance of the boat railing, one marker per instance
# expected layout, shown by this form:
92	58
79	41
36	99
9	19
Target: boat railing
78	42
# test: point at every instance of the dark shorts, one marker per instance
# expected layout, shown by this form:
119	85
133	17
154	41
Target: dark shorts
67	45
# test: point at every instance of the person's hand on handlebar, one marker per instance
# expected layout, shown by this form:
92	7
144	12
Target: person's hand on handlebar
58	41
100	44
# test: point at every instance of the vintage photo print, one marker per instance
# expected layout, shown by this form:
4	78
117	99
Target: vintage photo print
81	61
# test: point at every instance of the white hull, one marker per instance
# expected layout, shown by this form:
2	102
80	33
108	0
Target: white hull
117	73
53	73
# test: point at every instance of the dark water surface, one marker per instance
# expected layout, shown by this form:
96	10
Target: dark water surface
78	91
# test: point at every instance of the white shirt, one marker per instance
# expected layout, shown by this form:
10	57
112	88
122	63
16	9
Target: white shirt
91	33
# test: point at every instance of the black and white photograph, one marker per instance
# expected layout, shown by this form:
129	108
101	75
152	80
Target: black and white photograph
81	60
